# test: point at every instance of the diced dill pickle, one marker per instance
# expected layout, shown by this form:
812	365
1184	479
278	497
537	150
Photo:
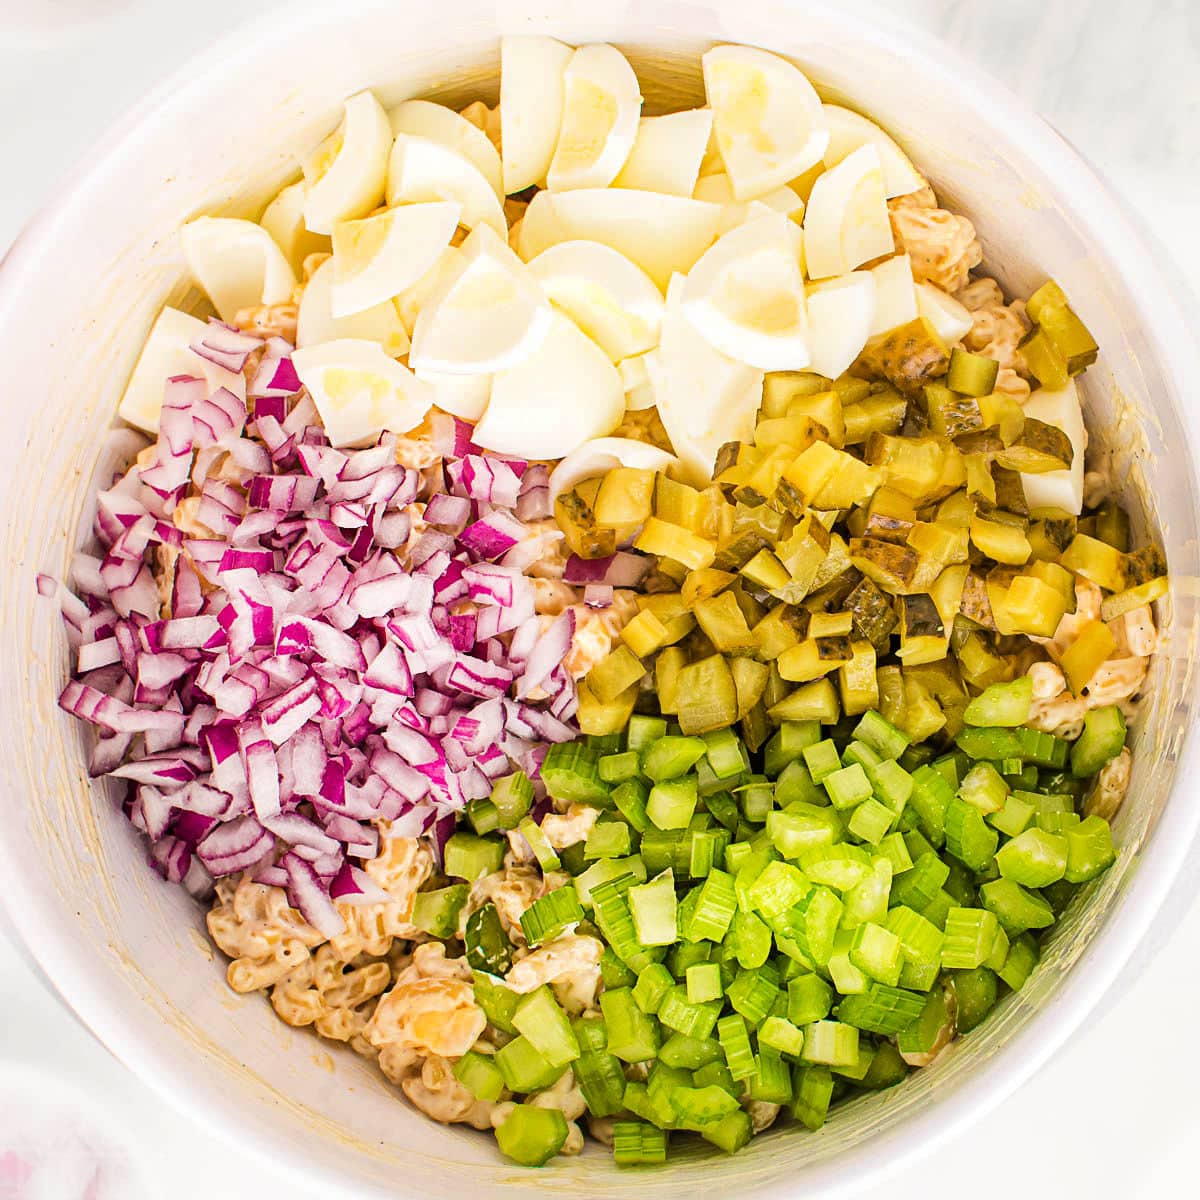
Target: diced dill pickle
978	662
950	414
644	634
1112	525
780	388
823	624
1082	658
857	684
749	682
827	478
673	541
825	408
872	615
913	466
1005	414
956	510
1143	565
803	554
816	701
600	718
851	389
1034	607
814	657
611	676
892	567
762	482
1001	541
920	625
908	356
796	432
724	624
667	667
1010	492
982	442
778	630
708	581
971	374
1069	335
1049	295
882	413
1112	607
1103	564
767	571
922	717
625	497
890	515
673	611
577	519
706	696
999	580
1038	448
938	543
836	564
976	603
981	483
1058	578
1046	362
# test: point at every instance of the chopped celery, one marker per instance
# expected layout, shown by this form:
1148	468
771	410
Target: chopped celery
531	1136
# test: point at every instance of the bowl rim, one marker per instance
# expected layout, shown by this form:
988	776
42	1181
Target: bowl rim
1125	927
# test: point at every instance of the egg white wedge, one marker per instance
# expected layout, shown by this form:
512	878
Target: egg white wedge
662	234
410	301
165	353
360	392
767	118
237	263
347	172
717	189
437	123
531	107
840	312
667	153
464	396
704	398
1059	489
283	219
609	297
487	315
316	323
378	257
420	171
559	396
746	295
846	222
951	320
635	379
848	131
601	455
602	104
895	294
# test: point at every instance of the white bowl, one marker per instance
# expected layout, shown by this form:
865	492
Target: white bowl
77	294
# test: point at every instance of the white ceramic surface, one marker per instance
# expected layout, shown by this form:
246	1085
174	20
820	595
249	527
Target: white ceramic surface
109	934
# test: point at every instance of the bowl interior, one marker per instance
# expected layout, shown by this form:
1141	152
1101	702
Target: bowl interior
75	301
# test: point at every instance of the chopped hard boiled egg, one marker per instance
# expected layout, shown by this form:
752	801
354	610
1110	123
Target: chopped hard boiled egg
746	295
767	119
601	106
704	398
316	323
378	257
848	131
610	298
347	173
421	170
487	314
846	223
951	320
559	396
283	219
602	455
667	154
237	263
531	107
895	294
840	312
360	392
437	123
1058	489
717	189
410	301
166	353
635	379
464	396
662	234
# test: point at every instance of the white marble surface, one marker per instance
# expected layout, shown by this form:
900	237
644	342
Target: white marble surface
1114	1114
